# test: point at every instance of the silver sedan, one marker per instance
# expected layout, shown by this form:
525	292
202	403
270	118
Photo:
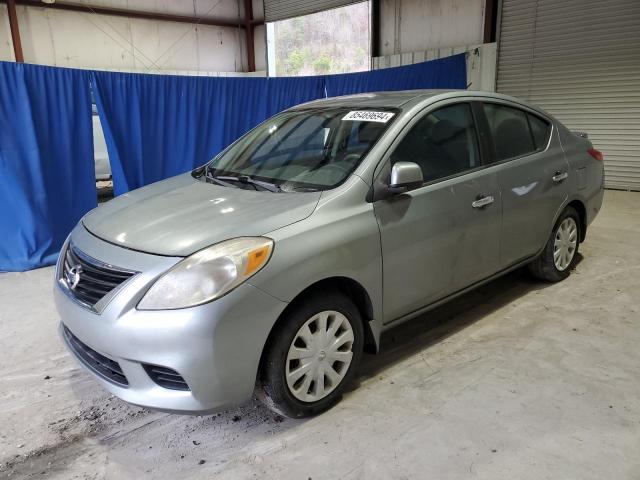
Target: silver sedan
272	267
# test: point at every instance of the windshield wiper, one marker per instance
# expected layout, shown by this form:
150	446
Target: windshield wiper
272	187
209	177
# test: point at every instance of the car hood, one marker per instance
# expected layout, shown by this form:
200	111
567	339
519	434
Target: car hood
182	215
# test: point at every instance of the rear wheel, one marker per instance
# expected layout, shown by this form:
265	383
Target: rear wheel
559	255
312	356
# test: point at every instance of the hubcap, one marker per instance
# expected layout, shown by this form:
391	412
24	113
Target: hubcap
564	246
319	356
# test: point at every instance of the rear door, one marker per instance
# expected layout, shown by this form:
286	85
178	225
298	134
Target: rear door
532	172
443	236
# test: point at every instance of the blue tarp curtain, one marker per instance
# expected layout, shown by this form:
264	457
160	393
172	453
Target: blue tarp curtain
47	178
155	126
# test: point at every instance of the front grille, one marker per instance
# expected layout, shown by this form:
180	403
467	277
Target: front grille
165	377
96	279
104	367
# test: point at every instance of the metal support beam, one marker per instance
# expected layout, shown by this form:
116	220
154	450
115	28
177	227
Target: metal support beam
15	31
375	28
248	29
120	12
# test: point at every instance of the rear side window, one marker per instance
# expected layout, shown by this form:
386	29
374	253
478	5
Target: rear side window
443	143
510	131
540	129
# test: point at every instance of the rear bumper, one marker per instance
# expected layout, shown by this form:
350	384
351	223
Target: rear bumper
215	347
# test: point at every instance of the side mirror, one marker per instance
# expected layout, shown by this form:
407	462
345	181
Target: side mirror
405	176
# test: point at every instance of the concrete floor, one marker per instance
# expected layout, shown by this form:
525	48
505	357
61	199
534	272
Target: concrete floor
517	380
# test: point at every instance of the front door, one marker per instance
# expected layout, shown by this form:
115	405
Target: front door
444	236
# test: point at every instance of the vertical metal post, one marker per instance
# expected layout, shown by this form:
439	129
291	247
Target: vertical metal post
15	31
248	28
375	28
490	14
271	49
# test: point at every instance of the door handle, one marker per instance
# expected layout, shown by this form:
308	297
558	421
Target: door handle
560	176
483	201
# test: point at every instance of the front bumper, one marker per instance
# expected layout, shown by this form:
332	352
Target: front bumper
215	347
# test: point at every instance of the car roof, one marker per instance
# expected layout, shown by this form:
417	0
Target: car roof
409	98
394	99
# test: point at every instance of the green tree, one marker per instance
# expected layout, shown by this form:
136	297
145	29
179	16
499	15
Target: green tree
322	64
295	61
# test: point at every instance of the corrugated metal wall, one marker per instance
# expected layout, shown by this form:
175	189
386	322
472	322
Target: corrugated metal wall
419	25
579	60
282	9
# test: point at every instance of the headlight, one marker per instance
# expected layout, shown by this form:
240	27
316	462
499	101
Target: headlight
208	274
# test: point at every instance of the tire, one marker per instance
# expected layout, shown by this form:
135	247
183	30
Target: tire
277	387
545	266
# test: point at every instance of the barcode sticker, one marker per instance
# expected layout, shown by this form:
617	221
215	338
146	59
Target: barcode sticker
368	116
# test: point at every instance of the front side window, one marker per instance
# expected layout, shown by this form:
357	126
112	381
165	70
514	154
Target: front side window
313	149
443	143
510	130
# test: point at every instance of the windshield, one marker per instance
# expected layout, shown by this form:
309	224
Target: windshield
313	149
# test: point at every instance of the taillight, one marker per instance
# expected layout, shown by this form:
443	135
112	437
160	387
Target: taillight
597	154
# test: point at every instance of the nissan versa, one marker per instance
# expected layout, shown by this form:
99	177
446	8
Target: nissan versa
274	265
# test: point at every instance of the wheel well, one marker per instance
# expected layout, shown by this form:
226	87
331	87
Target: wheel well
348	287
582	213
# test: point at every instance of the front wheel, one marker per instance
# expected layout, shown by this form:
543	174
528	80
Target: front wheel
311	356
559	255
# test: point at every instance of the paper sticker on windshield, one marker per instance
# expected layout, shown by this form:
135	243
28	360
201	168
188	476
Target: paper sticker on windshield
368	116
